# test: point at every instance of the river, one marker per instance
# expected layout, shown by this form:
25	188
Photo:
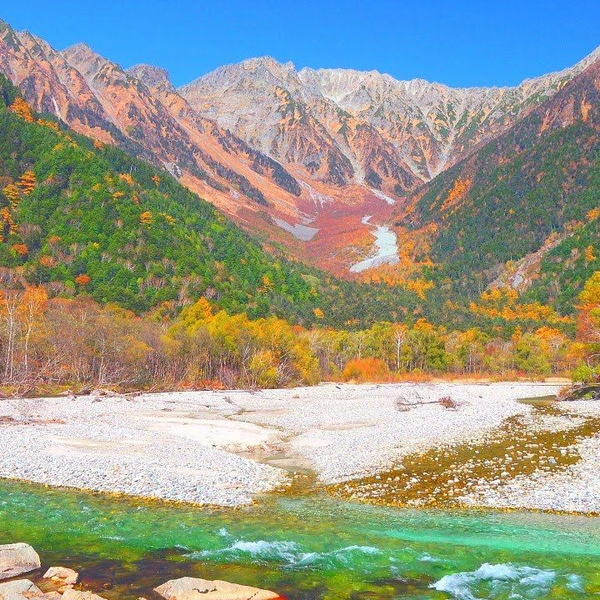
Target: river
307	546
386	244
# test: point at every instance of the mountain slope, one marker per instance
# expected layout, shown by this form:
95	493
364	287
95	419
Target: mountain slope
534	189
140	111
84	217
96	97
395	134
312	162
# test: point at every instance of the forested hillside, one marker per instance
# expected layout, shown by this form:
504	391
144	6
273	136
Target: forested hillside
535	189
82	217
155	281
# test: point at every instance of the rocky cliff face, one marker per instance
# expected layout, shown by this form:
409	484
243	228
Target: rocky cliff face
402	132
51	84
274	108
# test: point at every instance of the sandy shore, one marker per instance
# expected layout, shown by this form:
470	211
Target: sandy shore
224	448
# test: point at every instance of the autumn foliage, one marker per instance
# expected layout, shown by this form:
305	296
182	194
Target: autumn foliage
27	183
366	369
504	303
21	108
21	249
83	279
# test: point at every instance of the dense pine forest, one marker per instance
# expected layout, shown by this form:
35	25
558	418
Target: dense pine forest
115	274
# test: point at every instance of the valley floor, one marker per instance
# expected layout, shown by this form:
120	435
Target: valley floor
225	448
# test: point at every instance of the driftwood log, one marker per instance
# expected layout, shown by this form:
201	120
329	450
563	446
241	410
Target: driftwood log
581	392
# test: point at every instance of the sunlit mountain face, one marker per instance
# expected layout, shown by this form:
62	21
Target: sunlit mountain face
316	162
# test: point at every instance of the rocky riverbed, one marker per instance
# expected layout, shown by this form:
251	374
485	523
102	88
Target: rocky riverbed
567	478
225	448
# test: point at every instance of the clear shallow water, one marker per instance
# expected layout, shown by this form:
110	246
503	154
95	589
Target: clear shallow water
307	547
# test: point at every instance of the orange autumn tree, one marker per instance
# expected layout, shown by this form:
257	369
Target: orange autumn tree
457	193
21	249
590	254
588	330
21	108
146	218
83	279
27	183
366	369
33	305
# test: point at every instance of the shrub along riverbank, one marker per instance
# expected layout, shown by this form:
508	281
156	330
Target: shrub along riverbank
49	344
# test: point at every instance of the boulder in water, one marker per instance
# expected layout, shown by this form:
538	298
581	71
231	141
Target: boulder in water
21	589
192	588
62	575
16	559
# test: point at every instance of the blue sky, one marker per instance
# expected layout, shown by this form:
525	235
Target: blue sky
461	43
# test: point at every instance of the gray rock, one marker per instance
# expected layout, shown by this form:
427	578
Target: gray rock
192	588
21	589
62	575
16	559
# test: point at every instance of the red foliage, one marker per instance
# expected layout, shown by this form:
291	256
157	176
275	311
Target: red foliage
83	279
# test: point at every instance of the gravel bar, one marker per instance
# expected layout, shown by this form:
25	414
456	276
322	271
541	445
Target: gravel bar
225	448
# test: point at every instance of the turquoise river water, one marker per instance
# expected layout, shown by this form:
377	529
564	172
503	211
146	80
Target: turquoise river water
307	547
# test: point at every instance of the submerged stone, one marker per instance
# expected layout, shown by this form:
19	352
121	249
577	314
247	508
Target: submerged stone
77	595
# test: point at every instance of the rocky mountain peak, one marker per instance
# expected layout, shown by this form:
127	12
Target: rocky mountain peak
80	50
254	73
267	62
154	78
85	59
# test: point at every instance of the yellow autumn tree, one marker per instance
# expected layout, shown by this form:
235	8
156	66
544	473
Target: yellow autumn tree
590	255
13	195
146	218
589	310
588	330
267	282
127	178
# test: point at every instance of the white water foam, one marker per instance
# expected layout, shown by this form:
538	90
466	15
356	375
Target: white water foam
426	557
500	579
288	553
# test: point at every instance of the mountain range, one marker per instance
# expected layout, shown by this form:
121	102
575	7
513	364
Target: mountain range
336	166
